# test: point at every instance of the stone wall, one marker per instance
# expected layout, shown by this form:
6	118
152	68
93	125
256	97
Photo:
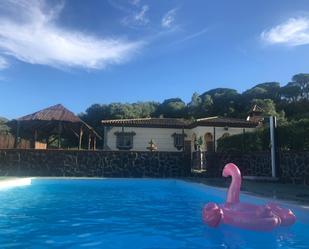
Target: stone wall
251	164
293	166
18	162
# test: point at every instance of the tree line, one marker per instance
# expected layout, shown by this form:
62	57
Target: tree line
289	102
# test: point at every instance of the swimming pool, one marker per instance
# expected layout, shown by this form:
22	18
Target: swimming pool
127	213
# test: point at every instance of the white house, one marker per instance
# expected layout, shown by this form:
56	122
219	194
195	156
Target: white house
171	134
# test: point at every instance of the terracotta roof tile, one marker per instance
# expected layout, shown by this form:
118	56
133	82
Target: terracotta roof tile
148	122
178	123
223	121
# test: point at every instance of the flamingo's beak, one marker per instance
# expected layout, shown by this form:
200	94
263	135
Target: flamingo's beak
224	173
229	168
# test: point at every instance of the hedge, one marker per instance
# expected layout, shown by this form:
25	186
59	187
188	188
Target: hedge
293	135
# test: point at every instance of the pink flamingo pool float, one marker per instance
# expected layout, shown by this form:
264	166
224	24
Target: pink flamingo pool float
245	215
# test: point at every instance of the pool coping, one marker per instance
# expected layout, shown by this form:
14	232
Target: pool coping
11	182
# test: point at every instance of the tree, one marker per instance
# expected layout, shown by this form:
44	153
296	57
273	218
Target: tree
267	90
296	110
195	105
291	92
145	109
221	92
206	106
303	81
3	127
291	99
172	108
224	101
195	100
95	113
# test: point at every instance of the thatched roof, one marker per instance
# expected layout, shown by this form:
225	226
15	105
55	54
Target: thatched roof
47	121
52	113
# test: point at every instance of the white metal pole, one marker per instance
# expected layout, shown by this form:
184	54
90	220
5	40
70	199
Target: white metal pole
272	125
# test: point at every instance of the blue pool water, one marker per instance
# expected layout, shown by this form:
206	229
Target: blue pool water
118	213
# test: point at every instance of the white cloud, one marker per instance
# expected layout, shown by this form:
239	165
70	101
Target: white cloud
193	36
169	18
141	16
3	63
293	32
137	18
29	32
135	2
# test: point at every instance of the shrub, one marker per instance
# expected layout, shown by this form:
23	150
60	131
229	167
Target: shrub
292	135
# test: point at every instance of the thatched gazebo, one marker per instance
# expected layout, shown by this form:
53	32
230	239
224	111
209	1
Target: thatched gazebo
51	125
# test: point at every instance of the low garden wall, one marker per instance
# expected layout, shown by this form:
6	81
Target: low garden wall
250	164
28	162
293	166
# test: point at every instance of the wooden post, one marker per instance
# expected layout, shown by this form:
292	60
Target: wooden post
105	138
183	139
17	134
89	141
214	139
59	135
94	142
35	137
80	137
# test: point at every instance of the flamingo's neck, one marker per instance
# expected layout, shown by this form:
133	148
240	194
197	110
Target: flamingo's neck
233	192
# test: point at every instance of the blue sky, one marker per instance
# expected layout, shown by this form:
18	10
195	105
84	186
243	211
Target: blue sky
79	52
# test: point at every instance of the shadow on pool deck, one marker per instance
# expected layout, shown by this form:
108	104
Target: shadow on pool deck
274	190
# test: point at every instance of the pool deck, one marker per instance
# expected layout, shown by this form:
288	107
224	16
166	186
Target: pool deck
297	194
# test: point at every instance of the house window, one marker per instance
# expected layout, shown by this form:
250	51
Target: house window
179	140
124	140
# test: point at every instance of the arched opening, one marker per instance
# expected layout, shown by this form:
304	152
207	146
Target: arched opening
209	142
197	154
226	134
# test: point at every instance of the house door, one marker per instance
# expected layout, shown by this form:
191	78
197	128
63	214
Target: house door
209	142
